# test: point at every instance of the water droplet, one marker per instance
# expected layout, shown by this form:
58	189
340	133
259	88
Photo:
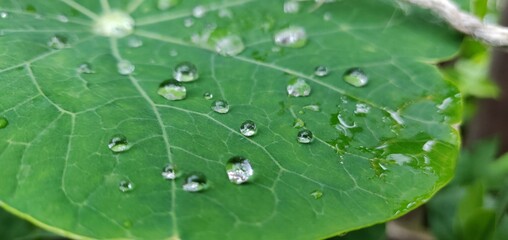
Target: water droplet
299	123
229	45
172	90
62	18
185	72
135	42
220	106
239	170
199	11
3	15
208	95
125	186
173	53
85	68
321	71
294	37
3	122
291	6
313	107
248	128
119	143
445	104
169	172
356	77
396	116
188	22
316	194
114	24
427	147
298	88
225	13
195	182
57	42
400	159
305	136
327	16
362	108
166	4
125	67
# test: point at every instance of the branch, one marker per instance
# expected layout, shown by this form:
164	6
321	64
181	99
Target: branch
490	34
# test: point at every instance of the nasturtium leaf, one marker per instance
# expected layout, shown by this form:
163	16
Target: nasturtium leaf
76	74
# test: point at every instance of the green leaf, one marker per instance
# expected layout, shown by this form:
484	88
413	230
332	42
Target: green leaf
65	99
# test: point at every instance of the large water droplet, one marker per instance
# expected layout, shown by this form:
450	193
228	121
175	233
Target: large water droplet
321	71
172	90
220	106
119	143
316	194
125	67
195	182
199	11
3	122
134	42
208	95
293	36
248	128
239	170
185	72
356	77
304	136
57	42
125	186
85	68
114	24
298	88
291	6
169	172
230	45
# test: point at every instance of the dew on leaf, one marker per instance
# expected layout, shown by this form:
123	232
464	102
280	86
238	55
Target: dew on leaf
298	88
208	95
304	136
134	42
321	71
57	42
248	128
299	123
396	116
3	122
291	6
125	186
316	194
4	14
169	172
362	108
173	53
225	13
62	18
312	107
166	4
199	11
239	170
427	147
220	106
294	37
356	77
230	45
327	16
185	72
119	143
85	68
188	22
195	182
172	90
445	104
125	67
115	24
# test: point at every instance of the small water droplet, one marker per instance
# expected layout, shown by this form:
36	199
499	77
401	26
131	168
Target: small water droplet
173	53
172	90
313	107
115	24
199	11
208	95
3	122
185	72
239	170
169	172
230	45
321	71
294	37
4	14
134	42
62	18
327	16
57	42
119	143
85	68
291	6
298	88
220	106
396	116
195	182
305	136
316	194
356	77
248	128
362	108
125	67
427	147
299	123
445	104
125	186
166	4
188	22
225	13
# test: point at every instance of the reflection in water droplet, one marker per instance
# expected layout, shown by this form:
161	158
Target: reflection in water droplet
299	123
208	95
362	108
85	68
135	42
220	106
239	170
119	143
316	194
321	71
293	36
125	67
195	182
291	6
188	22
298	88
57	42
62	18
3	15
115	24
305	136
3	122
172	90
400	159
230	45
126	186
185	72
169	172
356	77
199	11
248	128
